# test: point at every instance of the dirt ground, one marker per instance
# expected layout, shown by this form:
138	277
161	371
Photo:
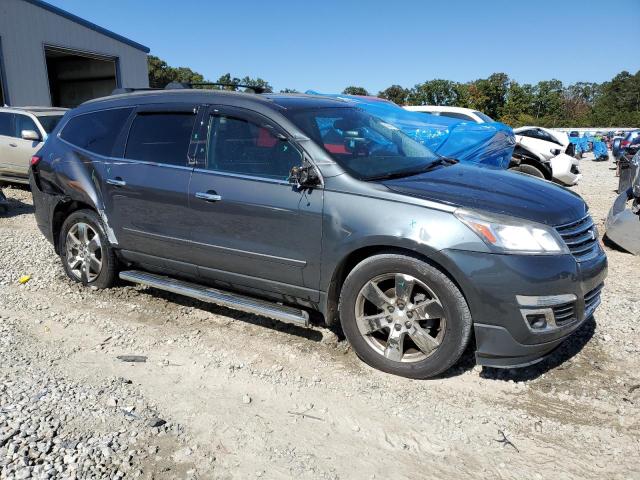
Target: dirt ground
245	397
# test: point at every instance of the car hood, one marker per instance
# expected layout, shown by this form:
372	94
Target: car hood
494	190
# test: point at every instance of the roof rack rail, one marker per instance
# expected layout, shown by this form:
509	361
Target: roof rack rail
119	91
187	85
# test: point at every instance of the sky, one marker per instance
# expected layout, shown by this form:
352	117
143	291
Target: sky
330	44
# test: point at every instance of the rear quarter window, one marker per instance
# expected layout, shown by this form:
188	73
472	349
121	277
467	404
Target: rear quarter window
160	138
96	131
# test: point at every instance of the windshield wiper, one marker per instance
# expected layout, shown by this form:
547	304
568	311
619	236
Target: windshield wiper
440	161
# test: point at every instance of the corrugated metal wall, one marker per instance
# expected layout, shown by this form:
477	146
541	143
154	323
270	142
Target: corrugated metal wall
25	29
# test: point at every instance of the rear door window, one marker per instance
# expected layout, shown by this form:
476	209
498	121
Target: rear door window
160	137
96	131
6	124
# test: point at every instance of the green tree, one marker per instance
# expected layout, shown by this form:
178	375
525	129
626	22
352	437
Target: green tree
289	90
518	104
355	91
491	94
618	102
395	94
160	73
434	92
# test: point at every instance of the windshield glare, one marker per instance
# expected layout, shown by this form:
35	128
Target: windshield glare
49	122
364	145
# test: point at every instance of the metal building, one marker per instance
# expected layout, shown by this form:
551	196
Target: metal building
49	57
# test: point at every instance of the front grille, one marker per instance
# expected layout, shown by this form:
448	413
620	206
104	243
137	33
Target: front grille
581	237
564	313
592	300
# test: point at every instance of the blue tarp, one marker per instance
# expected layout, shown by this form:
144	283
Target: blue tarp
485	144
600	149
581	143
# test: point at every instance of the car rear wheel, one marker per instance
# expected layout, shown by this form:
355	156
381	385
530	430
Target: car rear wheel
86	254
404	316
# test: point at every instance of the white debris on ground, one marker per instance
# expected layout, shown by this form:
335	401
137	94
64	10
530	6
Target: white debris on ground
223	394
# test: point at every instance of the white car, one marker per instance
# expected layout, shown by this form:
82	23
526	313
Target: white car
548	142
22	132
466	114
550	145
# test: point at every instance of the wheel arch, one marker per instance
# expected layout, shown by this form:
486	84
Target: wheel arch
61	212
329	306
527	156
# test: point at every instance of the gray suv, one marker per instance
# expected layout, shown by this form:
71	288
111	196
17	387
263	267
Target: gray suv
285	204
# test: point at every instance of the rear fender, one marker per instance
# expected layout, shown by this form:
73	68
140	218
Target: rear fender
78	179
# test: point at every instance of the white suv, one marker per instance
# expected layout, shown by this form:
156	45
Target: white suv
22	131
466	114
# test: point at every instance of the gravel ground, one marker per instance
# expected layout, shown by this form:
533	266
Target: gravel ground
224	394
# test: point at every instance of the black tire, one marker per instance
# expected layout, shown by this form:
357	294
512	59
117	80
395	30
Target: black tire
529	170
457	329
108	271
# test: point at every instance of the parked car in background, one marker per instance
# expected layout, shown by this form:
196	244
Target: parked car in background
546	154
22	132
631	140
616	147
623	226
466	114
548	142
296	202
628	149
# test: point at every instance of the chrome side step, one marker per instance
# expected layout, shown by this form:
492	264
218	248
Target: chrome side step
226	299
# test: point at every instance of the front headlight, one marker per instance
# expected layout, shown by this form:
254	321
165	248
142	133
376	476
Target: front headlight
513	235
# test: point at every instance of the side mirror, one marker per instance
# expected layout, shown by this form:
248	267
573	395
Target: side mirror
304	176
30	135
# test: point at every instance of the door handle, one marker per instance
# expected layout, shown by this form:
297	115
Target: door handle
208	196
13	144
118	182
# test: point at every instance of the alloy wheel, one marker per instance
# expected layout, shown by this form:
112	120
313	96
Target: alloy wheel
400	317
84	252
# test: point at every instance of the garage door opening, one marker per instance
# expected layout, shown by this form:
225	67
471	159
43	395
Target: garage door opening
75	77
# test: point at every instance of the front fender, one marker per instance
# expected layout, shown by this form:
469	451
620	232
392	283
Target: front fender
354	222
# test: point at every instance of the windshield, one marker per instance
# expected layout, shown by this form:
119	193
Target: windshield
49	122
365	146
484	117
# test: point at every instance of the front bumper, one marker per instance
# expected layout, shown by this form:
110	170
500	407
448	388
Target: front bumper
565	169
508	294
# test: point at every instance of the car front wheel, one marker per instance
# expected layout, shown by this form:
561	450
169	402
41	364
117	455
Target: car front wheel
86	254
404	316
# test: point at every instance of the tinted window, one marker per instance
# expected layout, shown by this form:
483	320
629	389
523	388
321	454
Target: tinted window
22	122
96	132
238	146
484	117
160	137
49	122
5	124
461	116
